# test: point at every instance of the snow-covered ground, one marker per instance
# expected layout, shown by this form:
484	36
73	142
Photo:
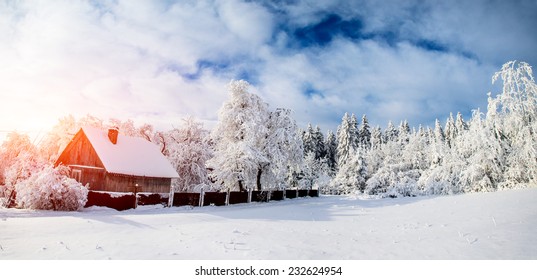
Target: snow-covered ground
500	225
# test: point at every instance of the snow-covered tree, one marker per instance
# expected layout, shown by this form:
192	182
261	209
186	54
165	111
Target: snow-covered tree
51	189
460	124
240	139
347	139
376	137
512	116
331	152
354	130
308	140
450	131
484	157
188	150
252	144
313	140
57	139
390	134
320	148
439	135
315	174
16	147
351	176
403	132
283	148
364	133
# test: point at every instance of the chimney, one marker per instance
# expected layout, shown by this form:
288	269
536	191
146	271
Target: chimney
112	134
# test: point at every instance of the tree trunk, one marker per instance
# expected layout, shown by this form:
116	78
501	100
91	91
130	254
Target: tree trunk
259	172
241	186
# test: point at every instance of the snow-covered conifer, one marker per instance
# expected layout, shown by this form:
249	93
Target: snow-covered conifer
351	176
439	135
364	133
320	149
331	152
346	137
390	134
460	124
315	174
404	132
354	130
376	137
450	130
308	139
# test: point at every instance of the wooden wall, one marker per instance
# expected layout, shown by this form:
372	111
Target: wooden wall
123	183
92	176
80	152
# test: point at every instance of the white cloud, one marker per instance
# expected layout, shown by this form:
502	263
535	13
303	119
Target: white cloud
131	59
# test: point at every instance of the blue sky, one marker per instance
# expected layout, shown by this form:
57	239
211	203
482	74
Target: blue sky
160	61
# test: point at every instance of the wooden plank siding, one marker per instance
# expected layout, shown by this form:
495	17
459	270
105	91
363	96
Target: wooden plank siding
95	178
125	183
80	152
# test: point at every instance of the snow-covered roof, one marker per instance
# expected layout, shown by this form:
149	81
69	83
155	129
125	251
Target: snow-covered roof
130	156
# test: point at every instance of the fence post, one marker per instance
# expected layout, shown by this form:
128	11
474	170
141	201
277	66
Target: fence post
269	194
202	197
227	196
249	195
284	194
135	196
170	198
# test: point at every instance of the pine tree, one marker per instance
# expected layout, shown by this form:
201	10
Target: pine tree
460	124
390	134
309	141
376	138
353	130
331	152
404	132
351	176
364	134
439	135
320	149
346	139
450	130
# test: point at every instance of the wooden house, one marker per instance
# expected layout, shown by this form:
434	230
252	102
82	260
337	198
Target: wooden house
108	161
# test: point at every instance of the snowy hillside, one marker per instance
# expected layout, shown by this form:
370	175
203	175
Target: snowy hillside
498	225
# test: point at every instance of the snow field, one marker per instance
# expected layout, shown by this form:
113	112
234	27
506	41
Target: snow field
499	225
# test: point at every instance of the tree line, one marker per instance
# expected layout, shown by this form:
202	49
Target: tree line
255	147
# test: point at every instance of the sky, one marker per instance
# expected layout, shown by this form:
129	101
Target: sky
158	62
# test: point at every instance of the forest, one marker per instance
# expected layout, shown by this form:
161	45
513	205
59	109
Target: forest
255	147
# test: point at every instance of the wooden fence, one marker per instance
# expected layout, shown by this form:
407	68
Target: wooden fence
124	201
227	198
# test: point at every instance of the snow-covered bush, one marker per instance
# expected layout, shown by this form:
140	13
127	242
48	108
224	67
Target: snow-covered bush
394	180
51	189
